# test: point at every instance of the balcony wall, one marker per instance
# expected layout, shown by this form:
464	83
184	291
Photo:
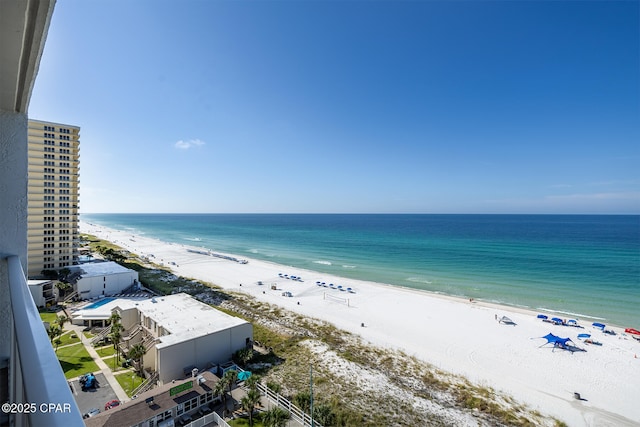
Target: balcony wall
34	373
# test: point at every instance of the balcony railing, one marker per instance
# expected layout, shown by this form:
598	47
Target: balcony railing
37	385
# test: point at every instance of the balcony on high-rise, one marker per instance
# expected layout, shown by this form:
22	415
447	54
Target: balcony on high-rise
33	389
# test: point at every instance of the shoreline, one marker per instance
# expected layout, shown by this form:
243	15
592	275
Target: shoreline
449	332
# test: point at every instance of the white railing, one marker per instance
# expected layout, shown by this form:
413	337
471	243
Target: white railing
37	383
101	335
296	413
208	419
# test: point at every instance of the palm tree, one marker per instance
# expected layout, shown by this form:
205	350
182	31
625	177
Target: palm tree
116	333
116	336
251	382
63	287
221	390
63	273
249	402
232	376
136	352
243	356
276	417
115	317
60	321
53	332
226	384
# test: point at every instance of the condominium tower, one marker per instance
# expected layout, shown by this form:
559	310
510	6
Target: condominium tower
52	219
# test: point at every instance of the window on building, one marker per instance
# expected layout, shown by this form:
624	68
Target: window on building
191	404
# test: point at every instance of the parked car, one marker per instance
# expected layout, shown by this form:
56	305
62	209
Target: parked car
111	404
92	413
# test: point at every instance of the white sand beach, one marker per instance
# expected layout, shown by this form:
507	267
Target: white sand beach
452	334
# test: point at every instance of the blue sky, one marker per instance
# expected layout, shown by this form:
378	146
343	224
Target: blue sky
354	106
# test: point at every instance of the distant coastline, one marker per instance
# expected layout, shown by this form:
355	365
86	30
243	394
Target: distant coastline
582	265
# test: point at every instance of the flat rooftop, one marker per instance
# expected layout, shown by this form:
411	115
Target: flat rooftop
137	410
93	269
35	282
180	314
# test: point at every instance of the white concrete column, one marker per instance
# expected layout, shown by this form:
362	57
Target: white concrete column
13	185
13	210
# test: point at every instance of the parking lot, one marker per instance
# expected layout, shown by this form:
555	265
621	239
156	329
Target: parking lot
93	398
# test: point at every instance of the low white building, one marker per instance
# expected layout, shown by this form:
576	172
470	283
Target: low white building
98	279
44	292
179	332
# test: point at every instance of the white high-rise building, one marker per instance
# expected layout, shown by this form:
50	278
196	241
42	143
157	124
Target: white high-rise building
53	196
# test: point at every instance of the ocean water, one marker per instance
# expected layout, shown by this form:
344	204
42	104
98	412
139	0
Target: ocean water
582	265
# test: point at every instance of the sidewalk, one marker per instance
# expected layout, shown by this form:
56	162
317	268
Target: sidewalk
104	369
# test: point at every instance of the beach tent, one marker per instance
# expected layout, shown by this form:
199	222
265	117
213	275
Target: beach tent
598	325
506	321
556	340
542	316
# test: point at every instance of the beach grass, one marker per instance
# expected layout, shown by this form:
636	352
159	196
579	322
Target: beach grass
75	361
356	406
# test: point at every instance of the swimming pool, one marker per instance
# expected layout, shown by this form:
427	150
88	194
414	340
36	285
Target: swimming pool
99	303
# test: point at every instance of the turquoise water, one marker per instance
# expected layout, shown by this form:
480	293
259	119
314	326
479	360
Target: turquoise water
582	265
99	303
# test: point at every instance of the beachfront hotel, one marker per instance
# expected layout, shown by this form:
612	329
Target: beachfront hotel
52	219
29	368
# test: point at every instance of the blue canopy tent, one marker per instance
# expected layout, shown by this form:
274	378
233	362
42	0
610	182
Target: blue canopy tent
557	341
600	326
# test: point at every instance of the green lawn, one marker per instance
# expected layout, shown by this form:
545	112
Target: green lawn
105	351
66	339
113	363
241	422
76	361
47	316
88	334
129	381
